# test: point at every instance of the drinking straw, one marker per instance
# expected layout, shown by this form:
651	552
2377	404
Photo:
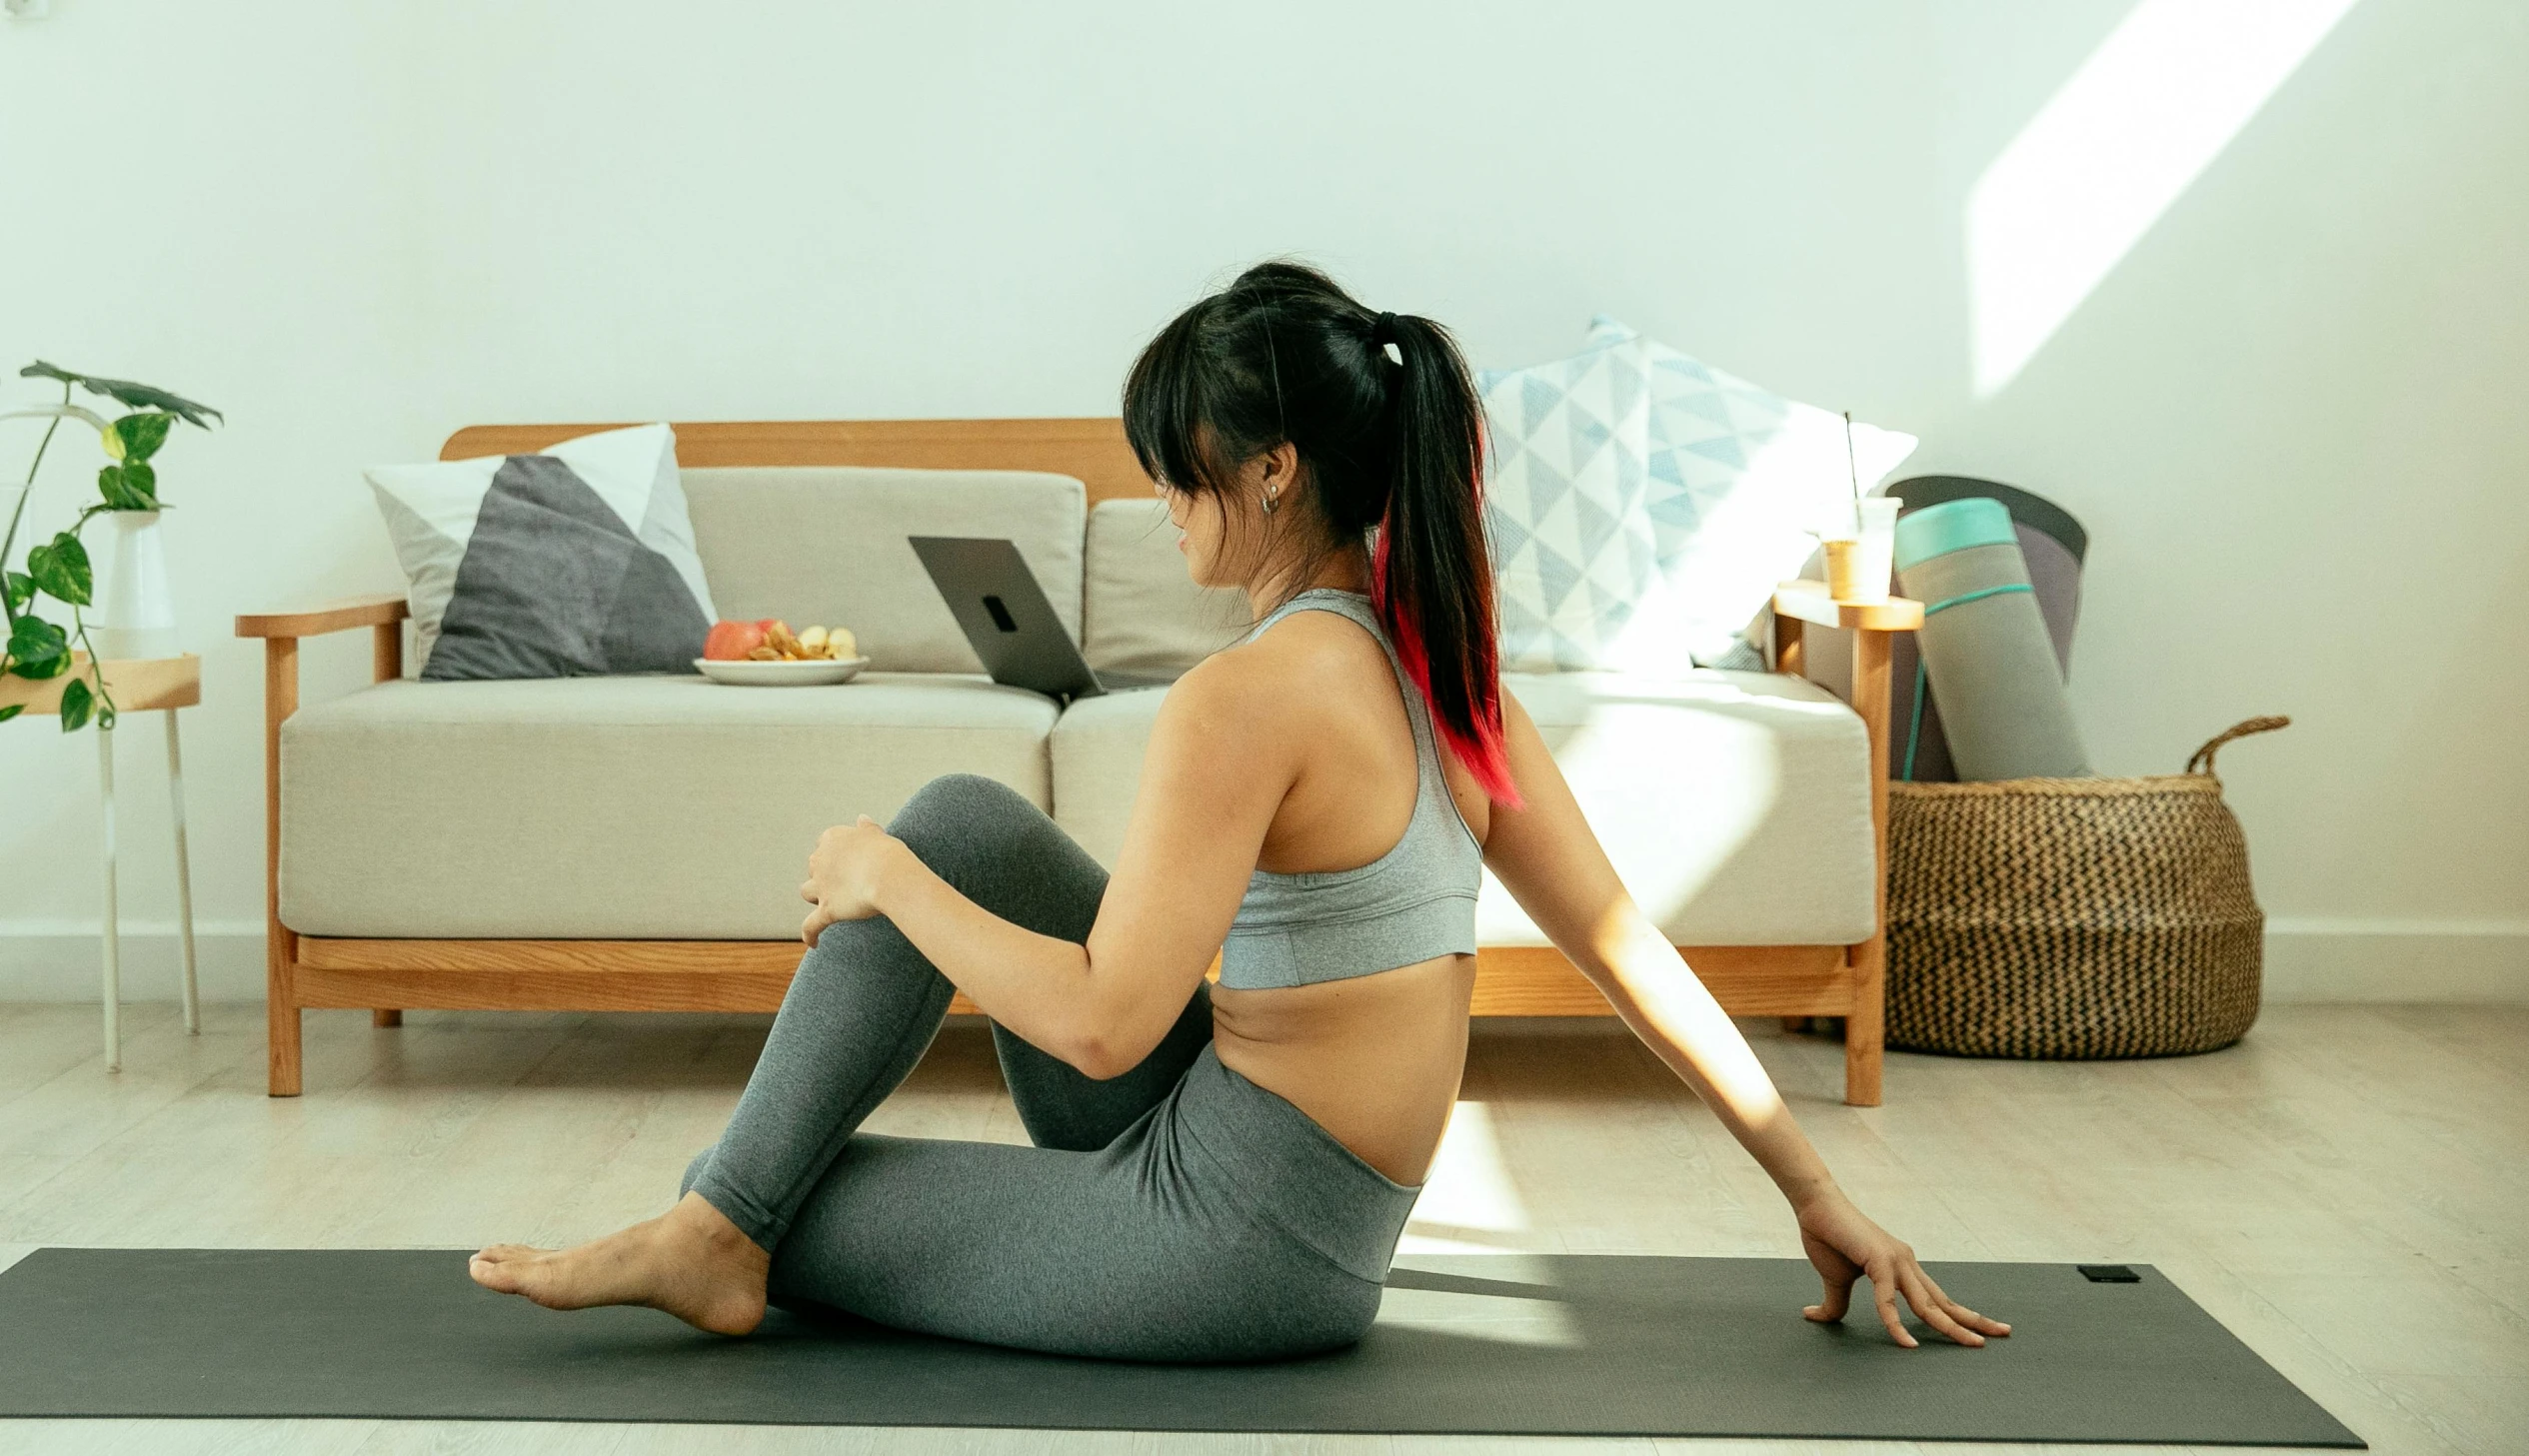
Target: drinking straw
1852	467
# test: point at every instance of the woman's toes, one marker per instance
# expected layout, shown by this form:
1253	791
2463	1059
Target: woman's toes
501	1266
706	1282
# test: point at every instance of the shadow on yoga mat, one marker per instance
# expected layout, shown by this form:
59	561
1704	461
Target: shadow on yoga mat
1486	1343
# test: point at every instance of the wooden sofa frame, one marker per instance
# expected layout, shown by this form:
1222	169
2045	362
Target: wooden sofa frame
386	975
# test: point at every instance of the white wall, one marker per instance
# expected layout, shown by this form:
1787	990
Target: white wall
2291	416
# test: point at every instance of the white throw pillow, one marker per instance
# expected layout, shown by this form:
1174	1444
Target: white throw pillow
578	559
1564	505
1738	479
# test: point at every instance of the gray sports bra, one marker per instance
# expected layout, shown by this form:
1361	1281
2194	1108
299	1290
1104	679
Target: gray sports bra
1414	904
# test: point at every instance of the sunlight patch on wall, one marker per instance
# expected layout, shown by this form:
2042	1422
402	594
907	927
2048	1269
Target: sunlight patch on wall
2109	151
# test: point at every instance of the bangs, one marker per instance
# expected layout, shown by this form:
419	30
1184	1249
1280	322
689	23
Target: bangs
1164	408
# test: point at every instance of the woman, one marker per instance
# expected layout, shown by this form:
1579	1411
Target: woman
1219	1172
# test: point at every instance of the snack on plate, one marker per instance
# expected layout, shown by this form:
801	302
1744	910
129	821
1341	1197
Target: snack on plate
771	640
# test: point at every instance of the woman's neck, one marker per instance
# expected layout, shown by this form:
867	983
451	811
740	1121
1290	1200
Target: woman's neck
1346	569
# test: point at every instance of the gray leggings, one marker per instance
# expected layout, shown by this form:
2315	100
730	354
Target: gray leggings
1179	1212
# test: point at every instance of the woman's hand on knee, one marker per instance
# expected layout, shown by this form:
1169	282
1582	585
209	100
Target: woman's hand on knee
844	872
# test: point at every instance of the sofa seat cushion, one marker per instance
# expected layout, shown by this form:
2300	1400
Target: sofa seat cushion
613	807
1736	805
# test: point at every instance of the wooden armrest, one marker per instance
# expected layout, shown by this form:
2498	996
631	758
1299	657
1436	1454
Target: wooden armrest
382	613
378	610
1808	601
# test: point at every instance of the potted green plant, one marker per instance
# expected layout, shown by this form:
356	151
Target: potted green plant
37	648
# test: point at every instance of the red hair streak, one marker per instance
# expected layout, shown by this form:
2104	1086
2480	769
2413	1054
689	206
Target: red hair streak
1485	754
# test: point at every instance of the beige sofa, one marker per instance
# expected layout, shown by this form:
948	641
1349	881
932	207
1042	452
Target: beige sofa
635	843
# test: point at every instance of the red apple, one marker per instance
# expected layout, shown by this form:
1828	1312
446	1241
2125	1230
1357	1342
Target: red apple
732	640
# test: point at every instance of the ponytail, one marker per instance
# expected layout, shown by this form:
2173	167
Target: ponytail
1394	454
1432	571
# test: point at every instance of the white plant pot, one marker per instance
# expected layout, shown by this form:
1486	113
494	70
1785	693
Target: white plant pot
134	613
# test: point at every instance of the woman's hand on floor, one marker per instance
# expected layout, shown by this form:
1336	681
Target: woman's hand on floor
842	875
1846	1245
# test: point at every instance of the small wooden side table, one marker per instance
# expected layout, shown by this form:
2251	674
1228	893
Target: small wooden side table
1809	603
138	685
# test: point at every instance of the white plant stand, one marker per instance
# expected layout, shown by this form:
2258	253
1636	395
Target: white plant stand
141	685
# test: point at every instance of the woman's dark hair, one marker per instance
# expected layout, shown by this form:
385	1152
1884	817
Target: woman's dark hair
1390	449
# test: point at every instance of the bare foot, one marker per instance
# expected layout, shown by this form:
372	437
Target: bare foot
689	1261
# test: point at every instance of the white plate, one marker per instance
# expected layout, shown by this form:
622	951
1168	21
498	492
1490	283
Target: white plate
809	674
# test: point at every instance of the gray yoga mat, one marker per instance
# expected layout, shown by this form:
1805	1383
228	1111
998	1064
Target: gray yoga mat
1466	1344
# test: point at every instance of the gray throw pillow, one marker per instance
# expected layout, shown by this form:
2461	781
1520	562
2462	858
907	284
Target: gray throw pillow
578	561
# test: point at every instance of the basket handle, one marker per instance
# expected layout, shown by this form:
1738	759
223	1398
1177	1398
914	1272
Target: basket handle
2205	755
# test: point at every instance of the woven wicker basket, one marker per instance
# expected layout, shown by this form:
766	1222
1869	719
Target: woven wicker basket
2072	917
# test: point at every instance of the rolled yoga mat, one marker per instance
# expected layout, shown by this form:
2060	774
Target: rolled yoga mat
1565	1344
1984	645
2052	542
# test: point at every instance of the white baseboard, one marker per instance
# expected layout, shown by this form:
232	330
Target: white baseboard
2306	959
60	960
2327	958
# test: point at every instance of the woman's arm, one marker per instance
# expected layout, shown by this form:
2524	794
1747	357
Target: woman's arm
1546	857
1220	760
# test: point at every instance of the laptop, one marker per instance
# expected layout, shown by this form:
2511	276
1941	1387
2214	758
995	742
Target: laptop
1010	625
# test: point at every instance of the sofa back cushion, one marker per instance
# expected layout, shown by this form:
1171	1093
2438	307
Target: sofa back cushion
1144	615
825	545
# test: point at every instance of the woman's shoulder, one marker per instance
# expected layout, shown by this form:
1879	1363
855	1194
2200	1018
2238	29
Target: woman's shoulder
1289	671
1309	637
1233	682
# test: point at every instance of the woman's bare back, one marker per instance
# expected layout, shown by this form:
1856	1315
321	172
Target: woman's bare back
1374	1060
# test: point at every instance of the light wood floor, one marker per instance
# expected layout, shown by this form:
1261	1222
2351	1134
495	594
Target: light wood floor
2345	1191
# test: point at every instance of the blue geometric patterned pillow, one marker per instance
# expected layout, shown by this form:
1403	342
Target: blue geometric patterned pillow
1565	498
1739	476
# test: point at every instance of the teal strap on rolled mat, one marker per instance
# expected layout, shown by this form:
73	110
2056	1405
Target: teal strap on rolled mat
1914	723
1965	598
1983	644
